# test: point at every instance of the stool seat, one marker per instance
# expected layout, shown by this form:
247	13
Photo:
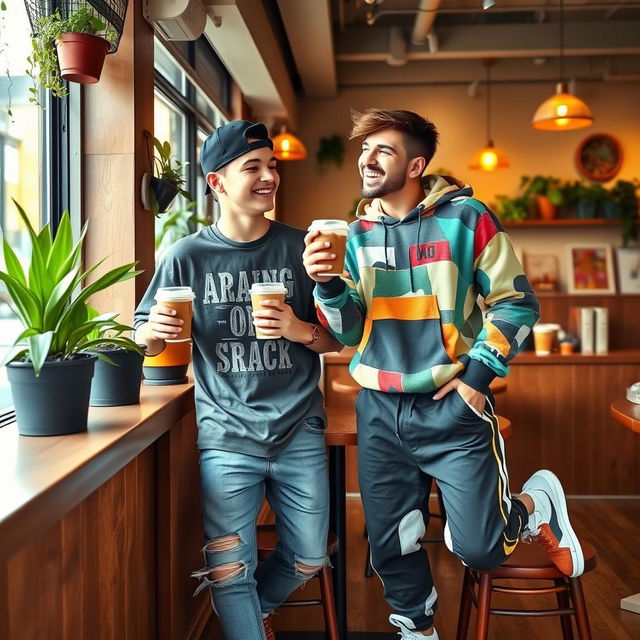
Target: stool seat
268	538
531	562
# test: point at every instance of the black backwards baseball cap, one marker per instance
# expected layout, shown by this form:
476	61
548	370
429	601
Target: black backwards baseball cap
230	141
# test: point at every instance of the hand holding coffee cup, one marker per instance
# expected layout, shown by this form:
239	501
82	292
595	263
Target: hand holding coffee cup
170	319
325	243
269	321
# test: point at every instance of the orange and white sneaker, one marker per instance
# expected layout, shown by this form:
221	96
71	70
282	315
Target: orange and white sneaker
268	629
549	523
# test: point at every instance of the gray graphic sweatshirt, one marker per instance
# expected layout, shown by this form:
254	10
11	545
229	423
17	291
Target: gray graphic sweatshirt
251	395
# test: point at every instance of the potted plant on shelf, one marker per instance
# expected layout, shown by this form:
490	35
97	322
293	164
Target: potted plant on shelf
118	369
545	192
330	151
54	353
622	202
512	209
587	198
160	190
72	49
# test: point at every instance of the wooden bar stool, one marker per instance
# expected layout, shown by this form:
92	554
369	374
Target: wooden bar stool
267	539
528	562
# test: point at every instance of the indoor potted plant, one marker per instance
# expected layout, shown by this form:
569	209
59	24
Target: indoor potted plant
622	202
587	198
545	192
72	49
330	151
52	356
160	190
118	369
512	209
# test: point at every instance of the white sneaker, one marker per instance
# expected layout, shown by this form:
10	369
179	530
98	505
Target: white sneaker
407	629
549	523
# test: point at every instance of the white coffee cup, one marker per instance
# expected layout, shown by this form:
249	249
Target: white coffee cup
179	299
335	232
266	291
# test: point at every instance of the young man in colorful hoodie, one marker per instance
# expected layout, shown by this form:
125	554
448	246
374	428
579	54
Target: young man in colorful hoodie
420	254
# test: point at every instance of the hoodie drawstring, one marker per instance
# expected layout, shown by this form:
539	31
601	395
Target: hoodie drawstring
413	288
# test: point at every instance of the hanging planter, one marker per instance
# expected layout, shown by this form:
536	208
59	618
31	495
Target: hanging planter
160	190
81	57
70	43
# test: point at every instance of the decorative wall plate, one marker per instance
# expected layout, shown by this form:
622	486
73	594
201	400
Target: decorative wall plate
599	157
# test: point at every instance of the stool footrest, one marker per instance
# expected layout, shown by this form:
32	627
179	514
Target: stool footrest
535	613
301	603
532	591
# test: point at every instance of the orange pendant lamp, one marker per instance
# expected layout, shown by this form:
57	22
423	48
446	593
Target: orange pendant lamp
563	111
489	158
286	146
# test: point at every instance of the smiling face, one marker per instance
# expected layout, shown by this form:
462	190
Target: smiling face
248	183
383	163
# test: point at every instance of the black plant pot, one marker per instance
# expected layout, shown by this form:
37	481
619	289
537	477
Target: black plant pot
160	376
165	193
55	403
119	383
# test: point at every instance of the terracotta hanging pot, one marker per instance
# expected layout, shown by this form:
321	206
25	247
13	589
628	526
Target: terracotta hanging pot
81	57
546	209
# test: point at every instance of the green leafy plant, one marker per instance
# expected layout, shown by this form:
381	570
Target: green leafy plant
108	335
625	194
589	193
513	209
58	324
178	224
43	61
167	170
542	186
330	151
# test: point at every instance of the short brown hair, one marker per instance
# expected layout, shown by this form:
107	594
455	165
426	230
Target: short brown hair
421	134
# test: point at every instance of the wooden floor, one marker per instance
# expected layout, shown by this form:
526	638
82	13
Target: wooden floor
612	526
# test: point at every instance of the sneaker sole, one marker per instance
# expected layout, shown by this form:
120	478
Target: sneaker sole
556	493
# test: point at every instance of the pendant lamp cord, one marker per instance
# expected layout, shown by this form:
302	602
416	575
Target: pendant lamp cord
562	41
488	67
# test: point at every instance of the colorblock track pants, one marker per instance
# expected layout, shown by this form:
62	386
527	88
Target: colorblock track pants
405	440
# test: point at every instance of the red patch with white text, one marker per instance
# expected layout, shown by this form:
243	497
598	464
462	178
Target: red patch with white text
429	252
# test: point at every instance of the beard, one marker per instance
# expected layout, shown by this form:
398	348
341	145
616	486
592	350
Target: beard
389	184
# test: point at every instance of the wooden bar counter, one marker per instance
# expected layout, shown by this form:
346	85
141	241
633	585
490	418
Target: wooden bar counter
100	530
559	408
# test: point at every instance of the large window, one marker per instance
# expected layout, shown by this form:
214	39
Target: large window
184	115
33	161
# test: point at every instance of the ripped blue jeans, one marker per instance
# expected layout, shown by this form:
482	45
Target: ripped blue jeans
233	488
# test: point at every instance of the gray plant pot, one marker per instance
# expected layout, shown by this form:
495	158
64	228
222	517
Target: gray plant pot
55	403
117	384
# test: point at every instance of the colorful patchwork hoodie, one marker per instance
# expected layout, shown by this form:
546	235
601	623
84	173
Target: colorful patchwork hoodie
410	301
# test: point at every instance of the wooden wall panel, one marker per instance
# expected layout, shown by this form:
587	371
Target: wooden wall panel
560	421
92	574
624	311
180	536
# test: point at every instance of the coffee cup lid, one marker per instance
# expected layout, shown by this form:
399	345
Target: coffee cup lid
268	287
329	225
174	294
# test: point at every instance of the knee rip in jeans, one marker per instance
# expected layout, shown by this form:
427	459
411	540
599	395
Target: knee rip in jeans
219	575
309	569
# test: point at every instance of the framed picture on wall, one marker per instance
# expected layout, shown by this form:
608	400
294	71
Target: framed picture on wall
628	263
590	269
541	270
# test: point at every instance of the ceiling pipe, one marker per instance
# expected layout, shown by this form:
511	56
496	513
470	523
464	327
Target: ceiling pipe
424	21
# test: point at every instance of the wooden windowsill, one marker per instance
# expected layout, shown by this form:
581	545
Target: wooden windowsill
42	478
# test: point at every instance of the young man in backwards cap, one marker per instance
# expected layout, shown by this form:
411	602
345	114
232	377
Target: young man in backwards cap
259	411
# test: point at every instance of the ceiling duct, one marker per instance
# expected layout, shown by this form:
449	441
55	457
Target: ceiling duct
427	12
